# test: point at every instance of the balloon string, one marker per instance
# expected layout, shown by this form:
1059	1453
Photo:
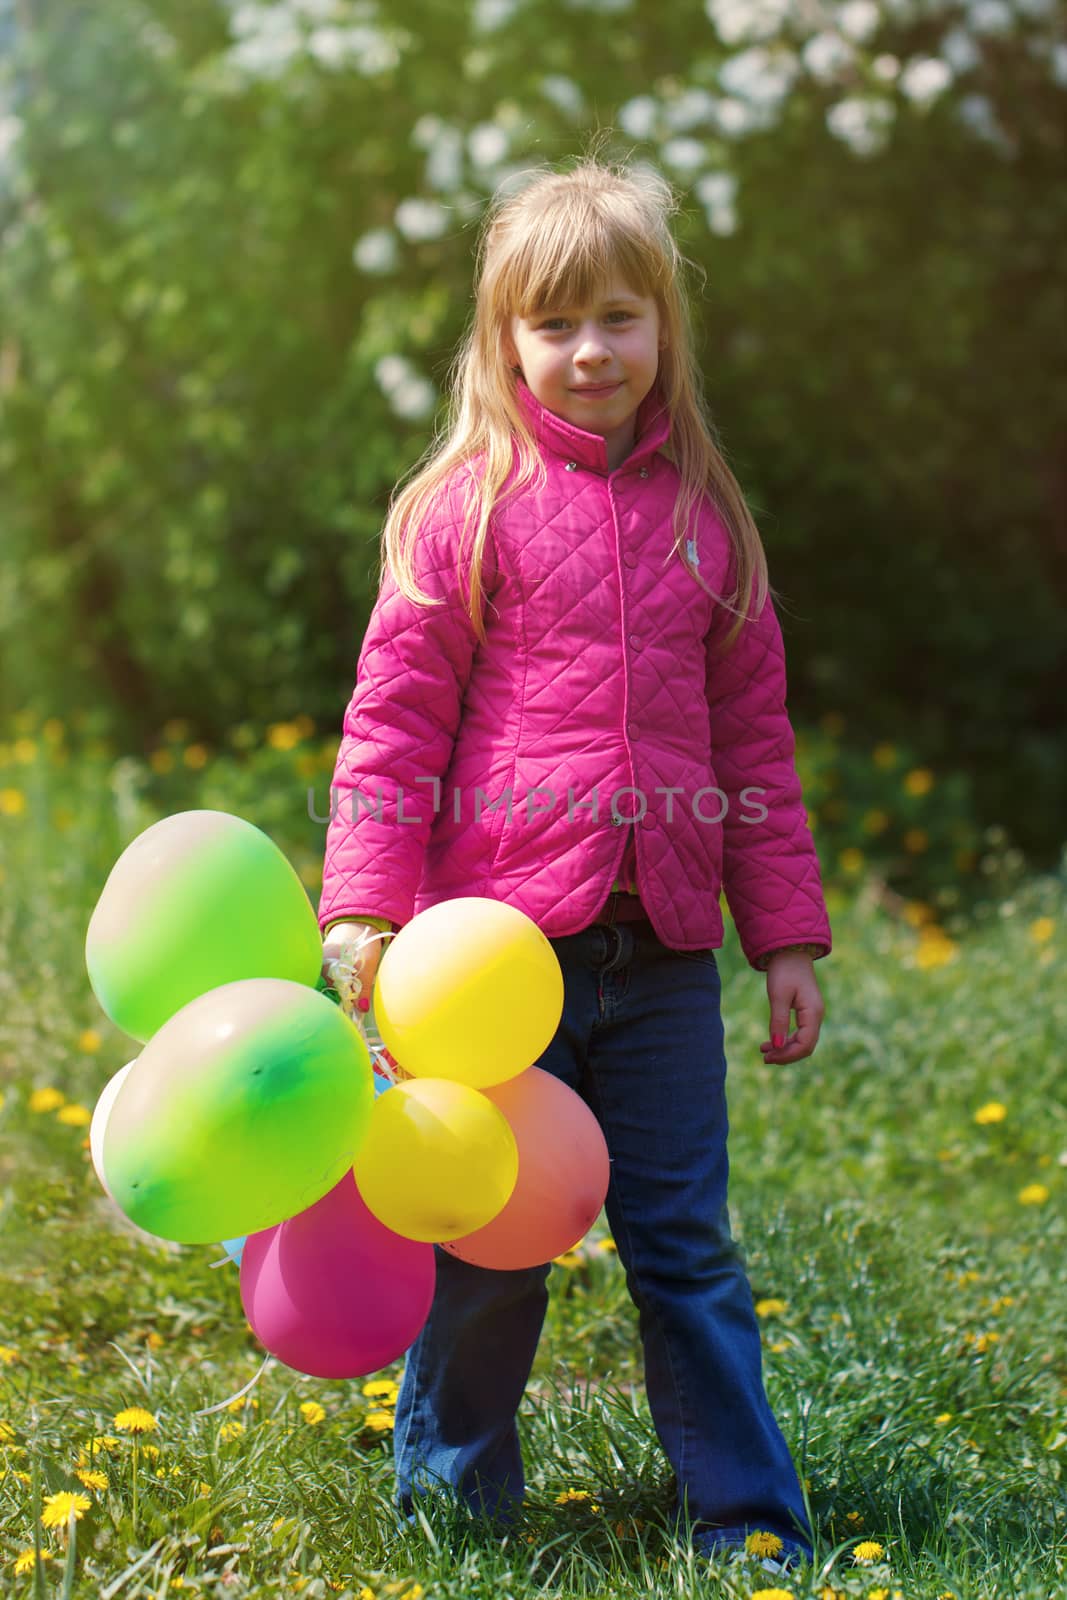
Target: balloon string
207	1410
341	973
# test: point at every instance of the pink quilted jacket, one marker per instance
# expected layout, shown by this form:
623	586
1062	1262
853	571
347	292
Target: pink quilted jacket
596	710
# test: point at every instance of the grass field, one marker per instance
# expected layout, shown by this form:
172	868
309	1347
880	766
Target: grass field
900	1200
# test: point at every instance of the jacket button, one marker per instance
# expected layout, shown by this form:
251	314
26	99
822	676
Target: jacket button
572	466
633	730
643	473
629	559
635	641
617	822
648	820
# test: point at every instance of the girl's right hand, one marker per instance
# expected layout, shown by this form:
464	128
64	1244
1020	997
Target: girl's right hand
357	948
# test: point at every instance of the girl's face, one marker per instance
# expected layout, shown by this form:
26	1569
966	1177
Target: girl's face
592	365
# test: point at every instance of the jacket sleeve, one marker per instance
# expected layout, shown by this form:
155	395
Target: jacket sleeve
399	729
771	871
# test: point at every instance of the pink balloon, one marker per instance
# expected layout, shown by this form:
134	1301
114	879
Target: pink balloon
333	1292
564	1172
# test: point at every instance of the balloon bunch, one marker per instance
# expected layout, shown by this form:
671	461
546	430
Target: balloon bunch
254	1113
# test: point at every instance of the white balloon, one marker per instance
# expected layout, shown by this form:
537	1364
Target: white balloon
99	1123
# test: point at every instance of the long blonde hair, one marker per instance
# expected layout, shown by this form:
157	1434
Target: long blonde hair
557	240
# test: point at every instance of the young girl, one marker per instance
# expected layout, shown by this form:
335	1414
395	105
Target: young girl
571	697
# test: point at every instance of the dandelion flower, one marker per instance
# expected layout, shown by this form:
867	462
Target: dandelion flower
992	1111
1035	1194
46	1099
312	1412
583	1495
868	1550
58	1507
89	1041
383	1389
1042	929
135	1419
26	1560
884	755
771	1308
761	1543
607	1245
91	1479
12	802
74	1116
771	1594
380	1421
231	1430
103	1441
7	1355
919	781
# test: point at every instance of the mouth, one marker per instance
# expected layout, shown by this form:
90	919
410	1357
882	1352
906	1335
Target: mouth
597	391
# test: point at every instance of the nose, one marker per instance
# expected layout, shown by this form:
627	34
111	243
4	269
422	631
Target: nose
592	346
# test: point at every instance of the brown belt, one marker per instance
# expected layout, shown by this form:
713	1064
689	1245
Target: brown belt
622	907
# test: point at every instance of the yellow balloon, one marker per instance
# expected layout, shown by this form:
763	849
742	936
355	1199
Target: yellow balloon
470	990
437	1161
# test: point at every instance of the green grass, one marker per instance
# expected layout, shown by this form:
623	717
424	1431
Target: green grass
917	1360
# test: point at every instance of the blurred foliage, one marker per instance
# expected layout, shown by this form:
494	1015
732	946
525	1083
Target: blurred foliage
237	251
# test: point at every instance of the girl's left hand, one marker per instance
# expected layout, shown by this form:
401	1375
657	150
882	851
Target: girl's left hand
792	986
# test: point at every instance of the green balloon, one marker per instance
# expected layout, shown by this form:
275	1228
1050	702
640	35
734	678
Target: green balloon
199	899
246	1107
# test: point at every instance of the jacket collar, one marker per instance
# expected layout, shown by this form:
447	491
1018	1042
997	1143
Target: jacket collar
558	437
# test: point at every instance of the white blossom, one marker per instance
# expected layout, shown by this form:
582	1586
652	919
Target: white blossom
684	155
376	251
489	14
637	117
959	50
420	219
444	164
563	92
858	19
886	67
825	53
989	16
924	78
861	122
744	21
487	143
689	109
760	76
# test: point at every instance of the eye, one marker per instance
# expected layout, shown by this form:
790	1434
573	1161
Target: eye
625	315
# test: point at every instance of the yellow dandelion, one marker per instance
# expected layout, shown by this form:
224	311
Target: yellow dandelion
379	1421
970	1276
607	1245
884	756
24	751
917	913
916	840
761	1543
381	1389
312	1412
984	1341
74	1116
103	1441
1035	1194
196	756
868	1550
919	781
877	1594
851	860
26	1560
569	1259
46	1099
91	1480
283	735
771	1308
176	730
161	761
1042	929
231	1430
135	1419
89	1041
12	802
58	1508
155	1341
992	1111
7	1355
7	1433
943	1418
935	949
875	821
1001	1303
151	1450
771	1594
577	1495
52	730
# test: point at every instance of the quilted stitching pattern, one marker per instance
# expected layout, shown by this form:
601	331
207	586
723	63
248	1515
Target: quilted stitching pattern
489	769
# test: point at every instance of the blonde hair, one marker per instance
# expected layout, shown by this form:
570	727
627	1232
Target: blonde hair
557	240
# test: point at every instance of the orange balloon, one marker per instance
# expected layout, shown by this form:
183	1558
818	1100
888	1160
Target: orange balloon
563	1175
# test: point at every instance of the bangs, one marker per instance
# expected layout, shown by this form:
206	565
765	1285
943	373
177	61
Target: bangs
571	260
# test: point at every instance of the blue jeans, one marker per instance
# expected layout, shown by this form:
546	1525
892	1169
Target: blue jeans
641	1040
